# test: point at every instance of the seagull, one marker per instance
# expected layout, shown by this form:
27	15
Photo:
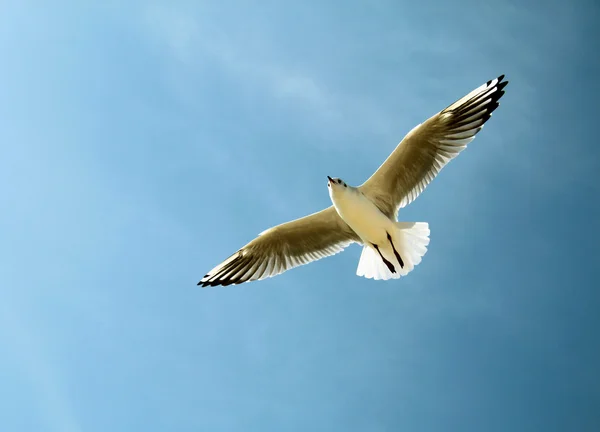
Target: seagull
367	214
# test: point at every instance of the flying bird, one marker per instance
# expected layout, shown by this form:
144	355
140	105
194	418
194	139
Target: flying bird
367	214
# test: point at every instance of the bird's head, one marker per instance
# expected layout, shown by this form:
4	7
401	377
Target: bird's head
336	186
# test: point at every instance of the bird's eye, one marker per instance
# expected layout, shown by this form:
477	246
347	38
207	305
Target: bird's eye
339	181
345	185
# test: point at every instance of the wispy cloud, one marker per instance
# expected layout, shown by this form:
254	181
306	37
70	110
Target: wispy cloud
193	41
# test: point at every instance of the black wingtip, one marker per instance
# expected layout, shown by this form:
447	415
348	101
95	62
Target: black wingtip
500	78
501	83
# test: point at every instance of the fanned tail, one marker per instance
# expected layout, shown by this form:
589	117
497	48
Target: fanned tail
410	240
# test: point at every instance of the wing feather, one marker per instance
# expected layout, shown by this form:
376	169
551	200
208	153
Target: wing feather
428	147
283	247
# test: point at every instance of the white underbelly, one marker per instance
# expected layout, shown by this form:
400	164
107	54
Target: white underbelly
364	218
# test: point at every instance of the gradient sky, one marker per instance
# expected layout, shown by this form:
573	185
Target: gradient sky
142	143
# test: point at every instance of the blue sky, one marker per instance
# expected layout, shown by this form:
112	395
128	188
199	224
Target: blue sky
143	142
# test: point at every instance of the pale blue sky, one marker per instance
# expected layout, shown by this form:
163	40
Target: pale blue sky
143	142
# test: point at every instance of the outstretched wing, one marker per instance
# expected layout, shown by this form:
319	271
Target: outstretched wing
283	247
427	148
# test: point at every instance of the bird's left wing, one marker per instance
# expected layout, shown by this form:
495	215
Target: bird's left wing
283	247
426	149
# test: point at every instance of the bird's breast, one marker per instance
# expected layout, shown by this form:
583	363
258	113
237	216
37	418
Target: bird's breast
362	216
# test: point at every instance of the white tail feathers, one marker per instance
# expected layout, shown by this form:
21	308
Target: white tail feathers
410	241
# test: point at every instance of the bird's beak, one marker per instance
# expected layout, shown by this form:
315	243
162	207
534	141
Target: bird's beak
330	179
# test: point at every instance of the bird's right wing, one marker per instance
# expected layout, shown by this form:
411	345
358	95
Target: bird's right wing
427	148
283	247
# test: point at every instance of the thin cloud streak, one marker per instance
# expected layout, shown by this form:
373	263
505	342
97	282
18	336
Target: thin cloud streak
194	43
